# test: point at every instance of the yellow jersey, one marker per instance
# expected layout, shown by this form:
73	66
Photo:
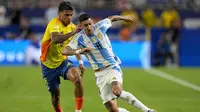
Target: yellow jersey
149	18
51	55
168	17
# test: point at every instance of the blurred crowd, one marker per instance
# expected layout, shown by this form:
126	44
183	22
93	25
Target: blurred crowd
17	12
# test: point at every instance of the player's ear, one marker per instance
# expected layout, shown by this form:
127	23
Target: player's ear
92	21
81	25
59	13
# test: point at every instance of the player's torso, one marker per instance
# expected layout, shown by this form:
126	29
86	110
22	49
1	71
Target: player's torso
101	54
54	56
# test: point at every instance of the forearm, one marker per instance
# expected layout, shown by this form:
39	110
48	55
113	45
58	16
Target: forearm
78	57
59	38
117	18
69	51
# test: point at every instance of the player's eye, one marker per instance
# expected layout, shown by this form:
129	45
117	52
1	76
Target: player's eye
68	14
85	25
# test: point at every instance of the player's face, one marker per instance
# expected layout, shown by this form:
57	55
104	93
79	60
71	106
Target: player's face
87	25
65	16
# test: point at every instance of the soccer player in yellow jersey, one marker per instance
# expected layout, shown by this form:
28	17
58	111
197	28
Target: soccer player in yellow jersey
59	32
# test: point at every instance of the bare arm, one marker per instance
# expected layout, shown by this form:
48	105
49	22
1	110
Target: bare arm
81	65
78	57
128	18
69	51
59	38
56	37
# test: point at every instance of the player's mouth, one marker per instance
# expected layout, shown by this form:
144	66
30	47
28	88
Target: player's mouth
67	21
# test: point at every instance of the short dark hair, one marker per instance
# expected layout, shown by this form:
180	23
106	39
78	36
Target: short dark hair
84	17
65	5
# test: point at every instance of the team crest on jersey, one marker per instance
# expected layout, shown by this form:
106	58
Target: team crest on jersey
93	39
88	42
99	35
56	27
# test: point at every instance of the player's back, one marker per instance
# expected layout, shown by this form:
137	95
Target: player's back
51	52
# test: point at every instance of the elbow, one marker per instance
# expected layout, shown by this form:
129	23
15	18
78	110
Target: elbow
66	53
55	40
111	18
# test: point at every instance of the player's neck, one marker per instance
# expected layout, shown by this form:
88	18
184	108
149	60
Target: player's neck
63	23
88	34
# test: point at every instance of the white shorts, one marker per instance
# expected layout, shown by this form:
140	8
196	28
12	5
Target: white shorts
104	81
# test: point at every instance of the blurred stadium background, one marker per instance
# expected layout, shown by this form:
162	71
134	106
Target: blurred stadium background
160	55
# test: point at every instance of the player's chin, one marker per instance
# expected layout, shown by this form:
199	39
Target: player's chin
67	22
90	31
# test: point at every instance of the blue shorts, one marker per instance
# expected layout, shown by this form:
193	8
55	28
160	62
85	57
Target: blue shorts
52	76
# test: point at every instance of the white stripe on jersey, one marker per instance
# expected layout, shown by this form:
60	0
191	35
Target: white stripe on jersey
101	54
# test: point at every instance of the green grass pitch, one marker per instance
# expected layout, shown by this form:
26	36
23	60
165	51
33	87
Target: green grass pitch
22	89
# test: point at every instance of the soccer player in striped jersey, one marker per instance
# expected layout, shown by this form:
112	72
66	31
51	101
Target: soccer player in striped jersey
54	65
103	61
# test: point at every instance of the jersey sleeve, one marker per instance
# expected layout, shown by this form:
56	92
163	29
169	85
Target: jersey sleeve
74	42
53	27
103	25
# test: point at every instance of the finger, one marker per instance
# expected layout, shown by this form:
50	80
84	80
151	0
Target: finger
81	74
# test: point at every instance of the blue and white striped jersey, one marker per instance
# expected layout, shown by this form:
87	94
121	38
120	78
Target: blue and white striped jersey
101	54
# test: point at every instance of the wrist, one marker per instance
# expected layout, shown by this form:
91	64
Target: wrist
78	51
80	62
73	32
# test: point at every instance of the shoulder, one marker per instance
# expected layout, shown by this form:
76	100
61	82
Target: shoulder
72	25
104	21
55	21
77	38
79	34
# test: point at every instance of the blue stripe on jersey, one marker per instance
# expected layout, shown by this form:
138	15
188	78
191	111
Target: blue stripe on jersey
106	55
100	65
103	29
106	39
81	42
117	68
104	52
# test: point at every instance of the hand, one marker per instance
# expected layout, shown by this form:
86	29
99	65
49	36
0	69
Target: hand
82	68
130	18
85	50
78	28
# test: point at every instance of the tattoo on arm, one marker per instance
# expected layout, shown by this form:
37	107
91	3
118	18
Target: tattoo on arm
56	37
116	18
78	57
68	51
